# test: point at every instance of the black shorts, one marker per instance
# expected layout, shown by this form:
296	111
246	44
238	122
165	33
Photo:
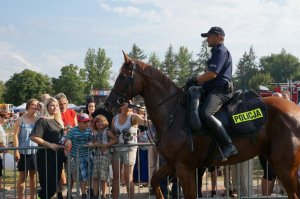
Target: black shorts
27	162
1	167
212	168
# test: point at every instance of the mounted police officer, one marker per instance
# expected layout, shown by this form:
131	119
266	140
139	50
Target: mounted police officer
217	86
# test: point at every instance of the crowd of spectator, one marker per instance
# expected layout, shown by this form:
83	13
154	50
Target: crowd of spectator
61	131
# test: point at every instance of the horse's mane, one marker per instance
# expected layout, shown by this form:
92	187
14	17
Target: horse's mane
155	74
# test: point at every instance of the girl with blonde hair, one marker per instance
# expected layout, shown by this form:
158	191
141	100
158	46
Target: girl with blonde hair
104	138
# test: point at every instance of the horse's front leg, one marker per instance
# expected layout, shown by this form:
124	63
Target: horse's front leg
187	180
164	170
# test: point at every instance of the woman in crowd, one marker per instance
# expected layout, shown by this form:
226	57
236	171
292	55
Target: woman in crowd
26	158
90	108
48	132
4	117
41	112
125	127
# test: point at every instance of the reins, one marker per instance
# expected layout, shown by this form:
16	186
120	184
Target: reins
165	100
128	73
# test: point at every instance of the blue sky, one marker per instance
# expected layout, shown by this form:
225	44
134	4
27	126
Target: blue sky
45	35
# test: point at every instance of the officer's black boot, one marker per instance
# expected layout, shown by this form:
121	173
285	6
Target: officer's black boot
195	94
227	147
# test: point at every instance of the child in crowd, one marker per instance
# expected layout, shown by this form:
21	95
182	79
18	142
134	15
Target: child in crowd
77	138
105	138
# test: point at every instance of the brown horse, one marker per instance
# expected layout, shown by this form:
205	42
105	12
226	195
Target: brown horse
278	140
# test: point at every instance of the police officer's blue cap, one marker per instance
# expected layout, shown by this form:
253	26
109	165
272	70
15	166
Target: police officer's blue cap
214	30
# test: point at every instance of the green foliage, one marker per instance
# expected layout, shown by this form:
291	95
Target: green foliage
90	68
154	61
2	90
97	68
260	79
137	53
184	65
72	83
169	64
76	82
283	66
203	56
103	66
26	85
246	68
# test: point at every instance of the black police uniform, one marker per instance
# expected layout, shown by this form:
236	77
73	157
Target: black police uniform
217	92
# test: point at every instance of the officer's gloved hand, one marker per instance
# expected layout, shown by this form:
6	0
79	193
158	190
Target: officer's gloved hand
192	81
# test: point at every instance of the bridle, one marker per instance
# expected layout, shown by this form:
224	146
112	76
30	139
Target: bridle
128	70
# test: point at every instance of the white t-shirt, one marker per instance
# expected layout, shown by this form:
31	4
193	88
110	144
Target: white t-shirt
3	138
126	133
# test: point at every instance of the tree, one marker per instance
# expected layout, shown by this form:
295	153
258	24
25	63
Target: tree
154	61
282	67
246	68
184	65
97	68
103	65
90	68
26	85
71	82
260	79
169	64
137	53
203	57
2	90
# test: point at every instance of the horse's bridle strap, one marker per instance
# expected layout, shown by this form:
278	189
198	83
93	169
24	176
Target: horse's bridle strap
165	100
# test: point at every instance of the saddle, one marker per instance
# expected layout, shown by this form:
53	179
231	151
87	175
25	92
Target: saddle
243	115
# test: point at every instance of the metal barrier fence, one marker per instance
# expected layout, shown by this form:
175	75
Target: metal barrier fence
241	180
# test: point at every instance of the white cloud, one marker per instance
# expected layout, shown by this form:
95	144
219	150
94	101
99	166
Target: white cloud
49	42
266	25
128	10
131	11
47	63
22	60
8	29
53	61
5	46
12	62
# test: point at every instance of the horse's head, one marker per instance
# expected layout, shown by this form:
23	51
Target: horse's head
128	84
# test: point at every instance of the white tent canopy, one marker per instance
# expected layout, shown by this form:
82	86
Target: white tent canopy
263	88
20	108
73	106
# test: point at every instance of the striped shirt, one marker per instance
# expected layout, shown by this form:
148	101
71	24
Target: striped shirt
79	139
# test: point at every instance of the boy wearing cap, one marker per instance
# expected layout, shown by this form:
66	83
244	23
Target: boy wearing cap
77	138
217	86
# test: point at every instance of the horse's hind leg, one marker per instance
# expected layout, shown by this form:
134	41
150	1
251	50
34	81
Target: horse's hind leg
187	180
164	170
287	174
290	184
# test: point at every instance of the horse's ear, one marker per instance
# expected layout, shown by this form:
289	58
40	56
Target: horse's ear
126	58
